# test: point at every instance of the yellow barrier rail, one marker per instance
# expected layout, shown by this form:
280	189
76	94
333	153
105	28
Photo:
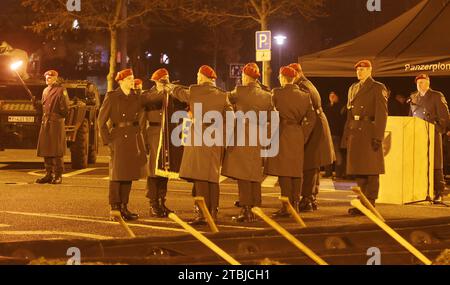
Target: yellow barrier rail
357	204
306	250
367	203
220	252
202	205
294	213
118	216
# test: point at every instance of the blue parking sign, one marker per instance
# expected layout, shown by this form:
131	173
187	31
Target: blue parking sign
263	40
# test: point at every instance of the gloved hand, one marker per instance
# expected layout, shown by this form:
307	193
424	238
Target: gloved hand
376	144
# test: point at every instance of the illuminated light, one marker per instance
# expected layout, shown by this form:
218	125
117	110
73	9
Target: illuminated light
280	39
16	65
165	58
76	25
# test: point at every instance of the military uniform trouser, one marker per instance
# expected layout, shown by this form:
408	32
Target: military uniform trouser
311	181
439	182
54	165
249	193
119	192
291	187
156	187
339	163
369	184
210	192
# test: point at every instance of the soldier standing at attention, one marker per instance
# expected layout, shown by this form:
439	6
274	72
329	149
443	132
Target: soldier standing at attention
165	158
364	132
244	162
296	118
201	162
52	135
319	150
431	106
123	108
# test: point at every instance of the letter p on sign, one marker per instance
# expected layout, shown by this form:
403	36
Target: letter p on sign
263	40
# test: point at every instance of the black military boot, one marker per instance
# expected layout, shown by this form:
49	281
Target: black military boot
281	213
246	215
199	219
46	179
156	210
57	179
314	204
305	205
127	215
114	207
163	207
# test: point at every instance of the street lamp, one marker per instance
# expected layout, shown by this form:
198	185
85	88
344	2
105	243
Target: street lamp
280	40
14	67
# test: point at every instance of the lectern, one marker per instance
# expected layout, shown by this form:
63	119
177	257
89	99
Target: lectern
409	161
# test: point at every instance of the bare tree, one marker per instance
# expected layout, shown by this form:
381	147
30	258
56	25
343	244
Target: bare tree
53	19
253	12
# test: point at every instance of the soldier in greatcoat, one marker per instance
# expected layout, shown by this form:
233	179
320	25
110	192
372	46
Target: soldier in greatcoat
243	161
123	107
431	106
202	159
165	158
296	117
319	150
364	131
52	136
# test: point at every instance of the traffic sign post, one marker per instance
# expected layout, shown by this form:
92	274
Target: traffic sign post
263	53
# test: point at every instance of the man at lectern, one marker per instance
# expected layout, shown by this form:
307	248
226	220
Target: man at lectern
364	132
431	106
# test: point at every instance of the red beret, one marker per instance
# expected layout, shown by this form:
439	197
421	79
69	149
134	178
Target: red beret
288	72
51	73
296	66
121	75
160	73
252	70
422	76
207	71
137	81
363	63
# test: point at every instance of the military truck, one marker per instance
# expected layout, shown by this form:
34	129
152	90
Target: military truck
20	121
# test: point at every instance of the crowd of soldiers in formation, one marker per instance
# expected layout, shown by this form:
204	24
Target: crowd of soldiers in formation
136	125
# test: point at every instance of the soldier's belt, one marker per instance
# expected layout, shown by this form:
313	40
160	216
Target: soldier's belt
125	124
363	118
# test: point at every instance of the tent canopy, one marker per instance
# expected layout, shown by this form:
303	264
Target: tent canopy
416	42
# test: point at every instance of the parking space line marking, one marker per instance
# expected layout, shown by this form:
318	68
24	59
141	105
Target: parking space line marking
34	173
73	173
92	220
269	182
74	234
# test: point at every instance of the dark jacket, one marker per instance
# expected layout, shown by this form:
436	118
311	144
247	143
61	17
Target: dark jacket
433	108
52	135
336	115
319	150
245	162
123	134
297	119
200	161
366	120
165	157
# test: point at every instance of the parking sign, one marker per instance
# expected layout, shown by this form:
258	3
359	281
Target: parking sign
263	40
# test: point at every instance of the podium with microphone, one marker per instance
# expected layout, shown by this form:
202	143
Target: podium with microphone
409	161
